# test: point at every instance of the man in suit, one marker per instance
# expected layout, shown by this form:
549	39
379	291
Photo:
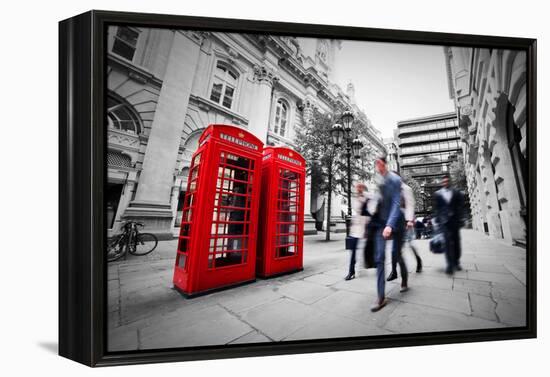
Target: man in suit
389	225
449	215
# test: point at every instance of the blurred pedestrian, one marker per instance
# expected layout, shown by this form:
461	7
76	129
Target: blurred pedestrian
358	224
449	205
390	224
407	206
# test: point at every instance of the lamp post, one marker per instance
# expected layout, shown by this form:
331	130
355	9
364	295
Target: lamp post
341	133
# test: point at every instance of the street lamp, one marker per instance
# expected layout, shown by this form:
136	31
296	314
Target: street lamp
339	133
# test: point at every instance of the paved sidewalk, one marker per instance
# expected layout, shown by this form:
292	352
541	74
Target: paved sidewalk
145	312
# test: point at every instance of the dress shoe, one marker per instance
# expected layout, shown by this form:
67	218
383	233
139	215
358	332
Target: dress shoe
349	277
404	289
459	268
379	305
393	276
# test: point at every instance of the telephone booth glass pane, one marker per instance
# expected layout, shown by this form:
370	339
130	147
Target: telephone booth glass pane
286	236
231	216
187	212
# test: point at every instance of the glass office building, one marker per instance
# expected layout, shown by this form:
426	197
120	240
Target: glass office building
426	147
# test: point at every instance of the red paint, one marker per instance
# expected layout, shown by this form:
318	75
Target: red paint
218	234
281	234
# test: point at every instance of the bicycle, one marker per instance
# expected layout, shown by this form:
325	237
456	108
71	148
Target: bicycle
131	241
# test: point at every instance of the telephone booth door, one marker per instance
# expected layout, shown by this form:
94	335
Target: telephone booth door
281	236
218	233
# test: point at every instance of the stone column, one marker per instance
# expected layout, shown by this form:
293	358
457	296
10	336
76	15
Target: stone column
264	77
490	194
152	203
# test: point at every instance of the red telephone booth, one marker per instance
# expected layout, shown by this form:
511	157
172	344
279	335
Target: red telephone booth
217	242
281	234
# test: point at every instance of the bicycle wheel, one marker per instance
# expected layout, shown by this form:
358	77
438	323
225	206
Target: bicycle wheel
115	249
144	243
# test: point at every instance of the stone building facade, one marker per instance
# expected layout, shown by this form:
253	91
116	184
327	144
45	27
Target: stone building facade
489	90
166	86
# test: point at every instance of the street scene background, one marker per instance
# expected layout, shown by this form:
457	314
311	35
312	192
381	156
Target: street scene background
433	110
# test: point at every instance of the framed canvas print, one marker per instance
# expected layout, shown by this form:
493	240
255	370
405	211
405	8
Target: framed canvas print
235	188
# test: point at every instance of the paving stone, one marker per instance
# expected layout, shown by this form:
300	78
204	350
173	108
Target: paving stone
437	298
251	337
280	318
365	284
435	281
332	326
122	339
499	291
518	270
245	299
493	267
483	307
209	326
337	272
411	318
506	279
478	287
304	292
512	311
324	279
356	306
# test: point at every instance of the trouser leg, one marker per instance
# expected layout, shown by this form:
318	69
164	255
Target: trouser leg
352	260
398	245
458	247
394	257
449	249
380	260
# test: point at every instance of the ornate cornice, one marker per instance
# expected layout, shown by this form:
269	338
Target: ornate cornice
207	105
264	74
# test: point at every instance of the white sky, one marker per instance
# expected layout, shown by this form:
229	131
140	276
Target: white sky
394	82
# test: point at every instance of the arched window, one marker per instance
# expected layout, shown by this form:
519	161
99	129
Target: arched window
281	117
224	85
121	116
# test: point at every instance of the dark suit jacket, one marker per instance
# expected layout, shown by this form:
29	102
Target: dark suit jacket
451	214
389	206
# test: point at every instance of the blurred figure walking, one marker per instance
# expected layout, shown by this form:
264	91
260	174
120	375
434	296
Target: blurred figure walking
389	224
359	221
449	205
407	206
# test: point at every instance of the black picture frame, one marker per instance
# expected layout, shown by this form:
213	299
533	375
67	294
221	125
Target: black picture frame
82	174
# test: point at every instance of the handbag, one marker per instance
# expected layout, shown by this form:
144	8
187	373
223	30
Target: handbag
368	251
437	244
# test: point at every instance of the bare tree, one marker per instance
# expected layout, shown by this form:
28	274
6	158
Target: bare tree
326	163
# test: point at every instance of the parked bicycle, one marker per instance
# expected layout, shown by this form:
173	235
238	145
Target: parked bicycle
130	241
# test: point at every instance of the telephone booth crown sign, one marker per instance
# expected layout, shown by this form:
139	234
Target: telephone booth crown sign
281	223
218	233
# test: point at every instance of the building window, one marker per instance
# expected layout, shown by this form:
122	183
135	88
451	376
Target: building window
224	86
125	42
281	118
121	116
